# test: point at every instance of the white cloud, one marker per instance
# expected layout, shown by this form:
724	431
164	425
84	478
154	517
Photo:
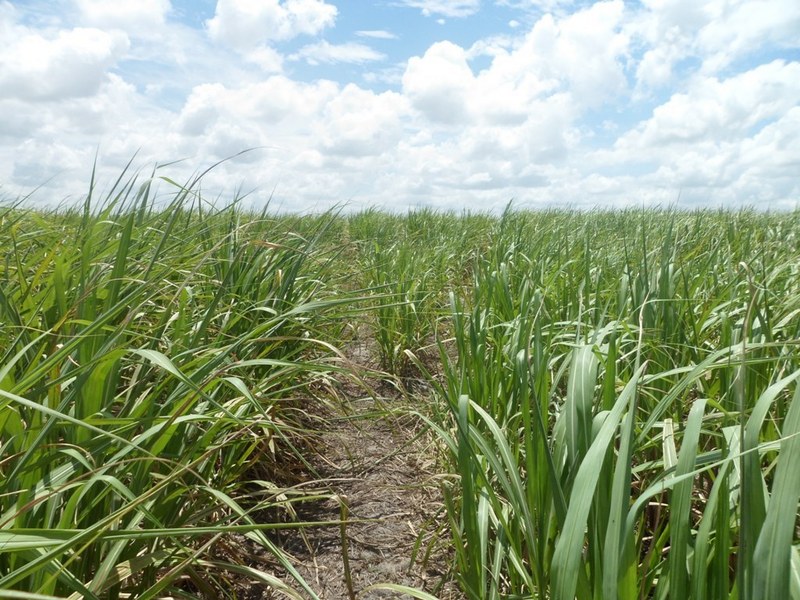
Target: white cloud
320	141
538	6
585	48
325	52
578	57
531	114
269	59
300	118
656	67
59	138
137	19
358	122
378	34
265	105
392	75
439	82
737	28
247	23
445	8
715	32
722	141
715	109
494	45
69	63
776	146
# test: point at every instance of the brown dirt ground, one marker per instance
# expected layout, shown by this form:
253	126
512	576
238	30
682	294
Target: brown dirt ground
389	482
375	455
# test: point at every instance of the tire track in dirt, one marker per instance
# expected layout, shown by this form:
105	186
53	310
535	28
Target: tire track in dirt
377	458
389	482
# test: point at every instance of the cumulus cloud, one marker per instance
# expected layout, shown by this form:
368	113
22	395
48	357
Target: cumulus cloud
60	138
543	114
737	28
772	156
66	64
269	59
439	82
716	33
714	109
586	51
320	122
507	125
263	106
358	122
722	141
247	23
325	52
576	61
657	65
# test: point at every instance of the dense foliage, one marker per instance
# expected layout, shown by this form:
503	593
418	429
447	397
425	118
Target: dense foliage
617	392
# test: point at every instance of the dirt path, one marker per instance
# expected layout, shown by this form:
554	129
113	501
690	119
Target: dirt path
384	468
372	454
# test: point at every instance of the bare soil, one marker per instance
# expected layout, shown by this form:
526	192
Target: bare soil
379	460
384	469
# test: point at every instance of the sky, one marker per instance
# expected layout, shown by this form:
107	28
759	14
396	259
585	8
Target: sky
402	104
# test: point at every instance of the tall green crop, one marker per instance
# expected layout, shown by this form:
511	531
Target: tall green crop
623	389
146	354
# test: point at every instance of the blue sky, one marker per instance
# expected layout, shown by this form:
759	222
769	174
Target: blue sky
449	104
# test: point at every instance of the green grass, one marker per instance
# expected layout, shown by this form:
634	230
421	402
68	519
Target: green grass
616	392
623	388
151	386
